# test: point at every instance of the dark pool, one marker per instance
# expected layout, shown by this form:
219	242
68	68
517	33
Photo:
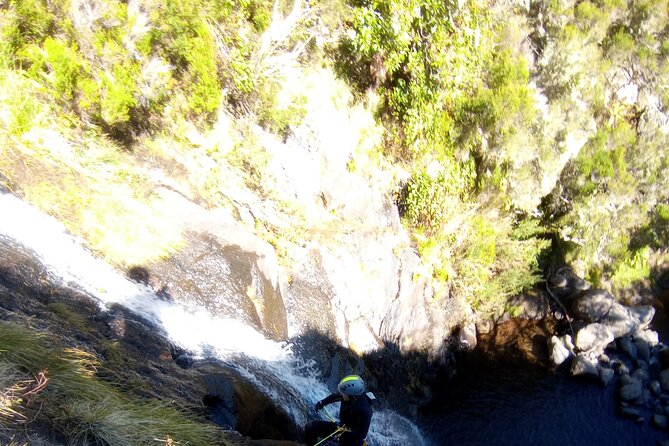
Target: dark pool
492	402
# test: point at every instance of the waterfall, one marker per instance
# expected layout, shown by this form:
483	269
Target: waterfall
270	366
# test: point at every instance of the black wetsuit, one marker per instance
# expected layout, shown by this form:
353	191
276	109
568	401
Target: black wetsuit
355	415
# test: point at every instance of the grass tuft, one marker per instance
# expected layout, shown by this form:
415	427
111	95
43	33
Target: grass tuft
76	403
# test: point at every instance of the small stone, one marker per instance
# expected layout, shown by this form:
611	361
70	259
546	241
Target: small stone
625	379
643	399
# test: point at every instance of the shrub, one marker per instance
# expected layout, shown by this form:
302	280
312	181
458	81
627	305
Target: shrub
117	93
183	38
422	201
631	268
64	65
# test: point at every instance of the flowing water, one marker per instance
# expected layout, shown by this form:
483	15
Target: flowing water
271	366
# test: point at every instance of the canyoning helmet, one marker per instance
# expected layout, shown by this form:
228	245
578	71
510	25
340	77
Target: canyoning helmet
351	385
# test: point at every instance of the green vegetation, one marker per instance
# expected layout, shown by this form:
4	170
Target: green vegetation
511	125
60	387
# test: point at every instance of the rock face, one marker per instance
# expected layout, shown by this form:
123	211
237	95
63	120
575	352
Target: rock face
234	276
364	291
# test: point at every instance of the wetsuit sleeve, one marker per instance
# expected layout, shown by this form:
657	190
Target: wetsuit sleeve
333	398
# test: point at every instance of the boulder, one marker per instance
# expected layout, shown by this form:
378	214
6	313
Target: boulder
593	338
641	375
625	344
620	321
631	391
592	305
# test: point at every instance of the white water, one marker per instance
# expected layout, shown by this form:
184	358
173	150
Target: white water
270	365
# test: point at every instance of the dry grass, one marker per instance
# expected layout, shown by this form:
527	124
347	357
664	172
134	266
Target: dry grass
66	394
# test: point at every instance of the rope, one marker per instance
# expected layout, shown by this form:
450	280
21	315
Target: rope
327	415
338	431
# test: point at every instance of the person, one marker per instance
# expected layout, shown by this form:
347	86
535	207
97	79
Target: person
355	414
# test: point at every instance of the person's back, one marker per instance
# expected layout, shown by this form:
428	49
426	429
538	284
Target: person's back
355	415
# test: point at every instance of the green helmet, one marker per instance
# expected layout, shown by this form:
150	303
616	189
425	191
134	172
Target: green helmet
351	385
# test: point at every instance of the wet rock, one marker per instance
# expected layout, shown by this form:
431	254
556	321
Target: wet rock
629	412
582	366
642	349
640	374
593	338
229	272
655	387
606	374
644	398
621	369
592	305
467	336
632	390
625	344
660	421
620	321
664	379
